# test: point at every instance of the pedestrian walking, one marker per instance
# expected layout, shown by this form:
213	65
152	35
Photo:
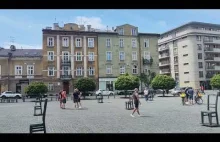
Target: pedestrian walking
76	98
135	97
63	99
146	93
79	99
60	98
191	93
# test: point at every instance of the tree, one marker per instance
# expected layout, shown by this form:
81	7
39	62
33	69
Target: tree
85	84
215	81
127	82
36	88
147	78
163	82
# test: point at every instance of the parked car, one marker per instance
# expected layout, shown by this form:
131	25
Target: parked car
34	96
10	94
177	91
104	92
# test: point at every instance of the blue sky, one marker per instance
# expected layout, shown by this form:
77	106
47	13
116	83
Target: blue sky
25	26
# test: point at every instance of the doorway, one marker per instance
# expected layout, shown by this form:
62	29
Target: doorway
66	86
18	88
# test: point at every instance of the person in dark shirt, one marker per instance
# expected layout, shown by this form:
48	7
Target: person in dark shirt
191	92
76	98
135	97
79	102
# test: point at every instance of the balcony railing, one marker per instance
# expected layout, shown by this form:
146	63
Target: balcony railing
65	77
164	55
66	62
211	40
164	63
147	61
209	75
163	48
209	58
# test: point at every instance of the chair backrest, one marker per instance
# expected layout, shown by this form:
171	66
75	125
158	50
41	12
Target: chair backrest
44	112
211	105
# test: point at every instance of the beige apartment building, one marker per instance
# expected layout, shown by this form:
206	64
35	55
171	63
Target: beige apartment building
69	53
190	54
19	67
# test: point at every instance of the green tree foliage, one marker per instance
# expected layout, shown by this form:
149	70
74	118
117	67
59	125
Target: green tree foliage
163	82
147	78
215	81
36	88
127	82
85	84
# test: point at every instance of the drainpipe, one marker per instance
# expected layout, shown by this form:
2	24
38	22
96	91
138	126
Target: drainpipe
140	57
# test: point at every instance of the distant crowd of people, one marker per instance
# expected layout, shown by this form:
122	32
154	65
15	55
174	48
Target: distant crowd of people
76	98
190	95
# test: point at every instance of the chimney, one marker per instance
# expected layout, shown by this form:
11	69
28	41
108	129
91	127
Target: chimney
13	48
82	27
89	27
55	26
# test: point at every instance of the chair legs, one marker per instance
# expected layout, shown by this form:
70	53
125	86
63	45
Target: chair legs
210	119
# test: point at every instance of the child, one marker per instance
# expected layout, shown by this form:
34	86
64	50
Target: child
183	96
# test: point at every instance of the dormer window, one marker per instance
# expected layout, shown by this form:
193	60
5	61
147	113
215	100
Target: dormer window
134	31
121	31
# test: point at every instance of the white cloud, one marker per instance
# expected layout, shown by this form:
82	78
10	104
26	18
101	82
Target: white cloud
162	23
22	46
96	22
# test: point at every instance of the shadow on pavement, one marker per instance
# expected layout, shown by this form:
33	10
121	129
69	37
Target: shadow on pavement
84	108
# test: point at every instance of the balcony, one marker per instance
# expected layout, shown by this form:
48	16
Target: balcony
164	56
163	48
163	64
209	75
165	71
209	58
175	53
176	70
217	68
65	62
211	41
212	50
147	61
65	77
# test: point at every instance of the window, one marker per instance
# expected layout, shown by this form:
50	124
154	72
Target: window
200	65
65	42
134	55
18	70
91	56
186	81
198	38
184	55
121	55
146	43
108	55
65	56
175	43
134	31
109	69
50	55
50	71
122	69
50	87
121	31
91	71
121	42
186	64
90	42
78	42
78	56
199	46
133	42
30	69
134	69
199	55
50	41
146	55
184	46
66	70
79	71
186	72
200	74
108	42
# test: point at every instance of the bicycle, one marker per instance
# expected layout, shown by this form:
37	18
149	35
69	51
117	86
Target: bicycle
198	100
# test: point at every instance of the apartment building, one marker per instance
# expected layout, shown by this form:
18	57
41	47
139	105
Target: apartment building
19	67
124	50
69	53
190	54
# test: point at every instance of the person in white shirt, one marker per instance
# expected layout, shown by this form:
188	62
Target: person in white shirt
146	94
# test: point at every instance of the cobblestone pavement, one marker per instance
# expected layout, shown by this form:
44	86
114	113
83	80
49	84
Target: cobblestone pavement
163	115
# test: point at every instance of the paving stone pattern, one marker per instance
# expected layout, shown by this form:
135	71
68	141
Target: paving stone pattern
163	115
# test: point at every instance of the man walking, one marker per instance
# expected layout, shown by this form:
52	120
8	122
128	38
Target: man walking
135	97
146	92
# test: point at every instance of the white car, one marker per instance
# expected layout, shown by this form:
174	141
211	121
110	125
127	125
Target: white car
104	92
10	94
